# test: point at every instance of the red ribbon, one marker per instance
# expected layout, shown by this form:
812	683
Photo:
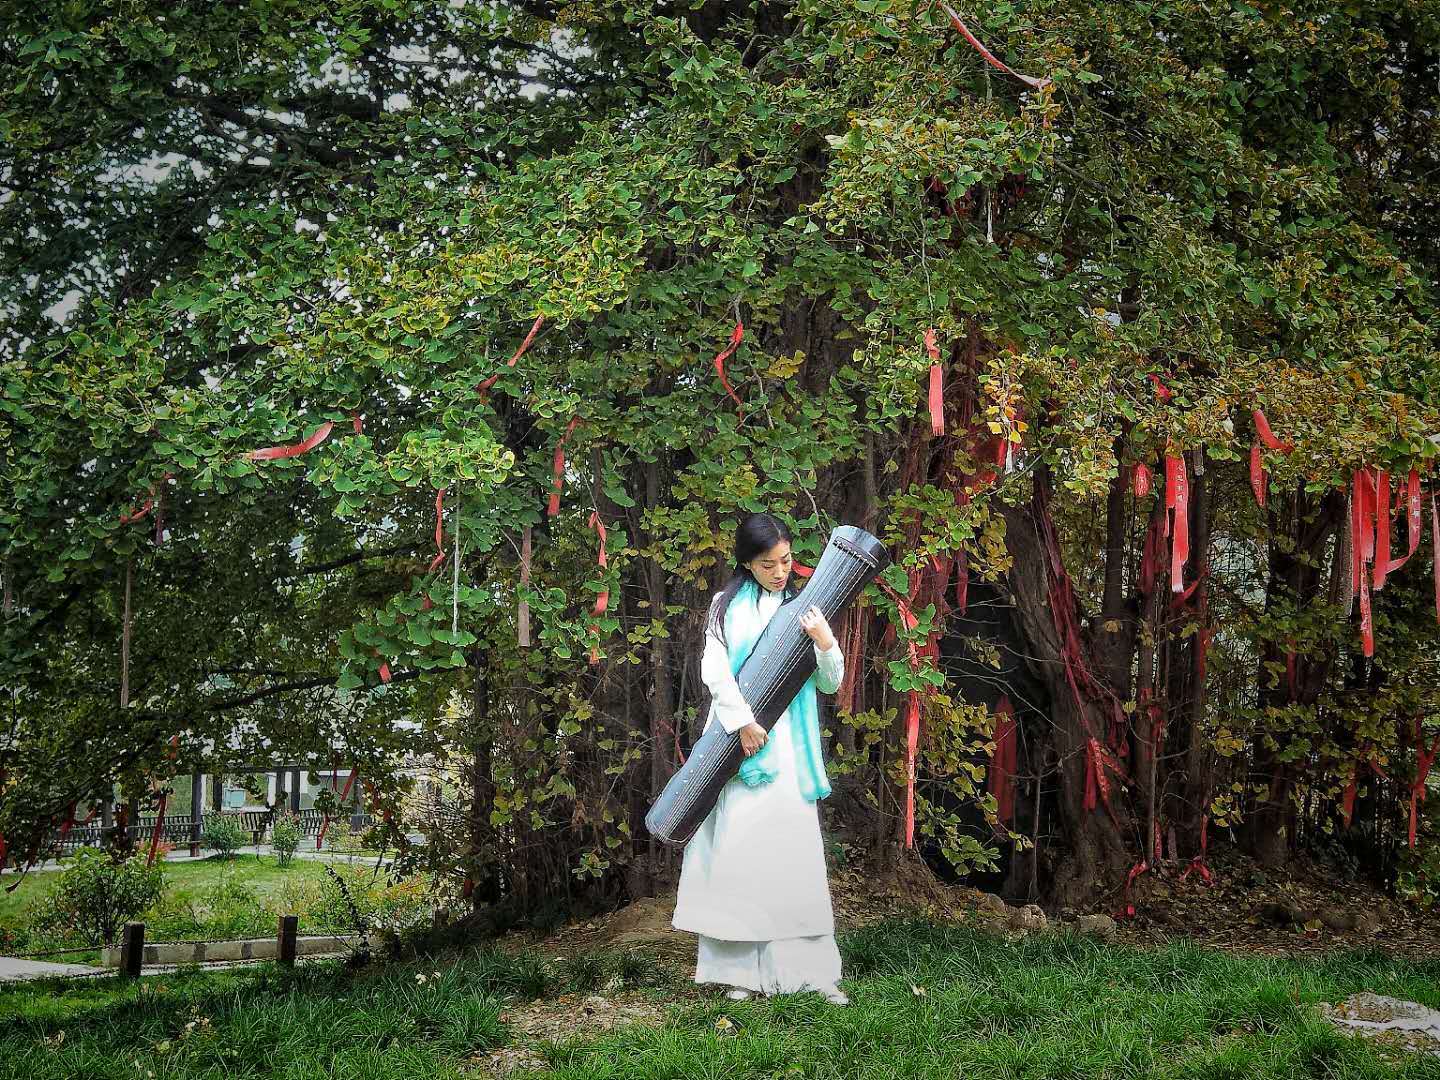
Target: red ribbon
439	533
1257	474
912	743
1362	523
1140	480
1262	428
1003	761
1382	529
1348	803
736	336
1423	761
1413	522
1197	864
316	437
603	600
483	388
990	58
912	719
937	386
325	824
69	821
559	478
1435	554
1097	784
155	835
1177	499
145	507
1128	911
138	513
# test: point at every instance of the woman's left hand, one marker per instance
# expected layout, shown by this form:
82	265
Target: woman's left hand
813	622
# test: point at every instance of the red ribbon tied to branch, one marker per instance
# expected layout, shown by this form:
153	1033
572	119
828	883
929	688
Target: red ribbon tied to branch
484	387
345	794
1003	761
736	336
316	437
149	503
1177	500
439	532
1262	428
912	713
1140	480
1424	759
1257	474
1412	522
602	602
558	482
990	58
937	385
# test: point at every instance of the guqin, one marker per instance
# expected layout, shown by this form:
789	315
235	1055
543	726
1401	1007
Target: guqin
783	658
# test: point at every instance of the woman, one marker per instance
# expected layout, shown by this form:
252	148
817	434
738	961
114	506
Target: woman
753	882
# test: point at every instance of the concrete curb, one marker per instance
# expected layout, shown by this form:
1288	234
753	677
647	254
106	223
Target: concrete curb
204	952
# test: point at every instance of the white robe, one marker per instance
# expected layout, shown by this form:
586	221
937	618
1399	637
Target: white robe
753	882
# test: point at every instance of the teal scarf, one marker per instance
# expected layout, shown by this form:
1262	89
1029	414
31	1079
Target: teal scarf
760	768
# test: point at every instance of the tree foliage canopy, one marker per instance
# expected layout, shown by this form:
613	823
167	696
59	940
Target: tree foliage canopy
255	220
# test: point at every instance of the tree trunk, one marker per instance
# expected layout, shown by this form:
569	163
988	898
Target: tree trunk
1098	856
484	883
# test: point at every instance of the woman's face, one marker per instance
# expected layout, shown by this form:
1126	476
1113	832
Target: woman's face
772	568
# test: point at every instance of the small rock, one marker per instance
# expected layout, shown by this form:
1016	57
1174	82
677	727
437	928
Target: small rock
1099	925
1030	917
1412	1026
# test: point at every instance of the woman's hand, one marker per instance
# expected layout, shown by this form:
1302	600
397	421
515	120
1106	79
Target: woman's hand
812	621
752	738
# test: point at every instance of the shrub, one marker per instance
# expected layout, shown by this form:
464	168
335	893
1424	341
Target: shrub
285	837
96	895
224	834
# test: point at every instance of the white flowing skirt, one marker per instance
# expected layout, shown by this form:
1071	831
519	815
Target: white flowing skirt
753	886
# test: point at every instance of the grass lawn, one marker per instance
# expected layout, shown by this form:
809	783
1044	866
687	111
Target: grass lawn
210	898
927	1001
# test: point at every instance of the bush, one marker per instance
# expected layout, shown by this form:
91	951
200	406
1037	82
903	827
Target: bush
96	895
285	837
224	834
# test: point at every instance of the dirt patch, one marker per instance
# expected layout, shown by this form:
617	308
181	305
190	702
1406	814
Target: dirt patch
1307	910
533	1024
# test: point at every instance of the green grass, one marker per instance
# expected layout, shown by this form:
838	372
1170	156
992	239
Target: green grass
927	1001
212	898
321	1020
953	1002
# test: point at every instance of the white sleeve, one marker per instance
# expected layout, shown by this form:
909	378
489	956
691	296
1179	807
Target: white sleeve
730	708
829	668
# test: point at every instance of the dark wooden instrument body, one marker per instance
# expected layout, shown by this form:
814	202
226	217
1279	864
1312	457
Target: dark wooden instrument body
783	658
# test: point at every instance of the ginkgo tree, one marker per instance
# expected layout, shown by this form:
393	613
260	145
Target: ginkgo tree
417	354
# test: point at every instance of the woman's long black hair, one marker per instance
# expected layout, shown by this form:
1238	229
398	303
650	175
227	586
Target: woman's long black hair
756	535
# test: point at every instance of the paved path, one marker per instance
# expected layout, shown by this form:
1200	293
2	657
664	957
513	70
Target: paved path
13	969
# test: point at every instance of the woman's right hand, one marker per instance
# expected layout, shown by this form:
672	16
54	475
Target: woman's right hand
752	738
